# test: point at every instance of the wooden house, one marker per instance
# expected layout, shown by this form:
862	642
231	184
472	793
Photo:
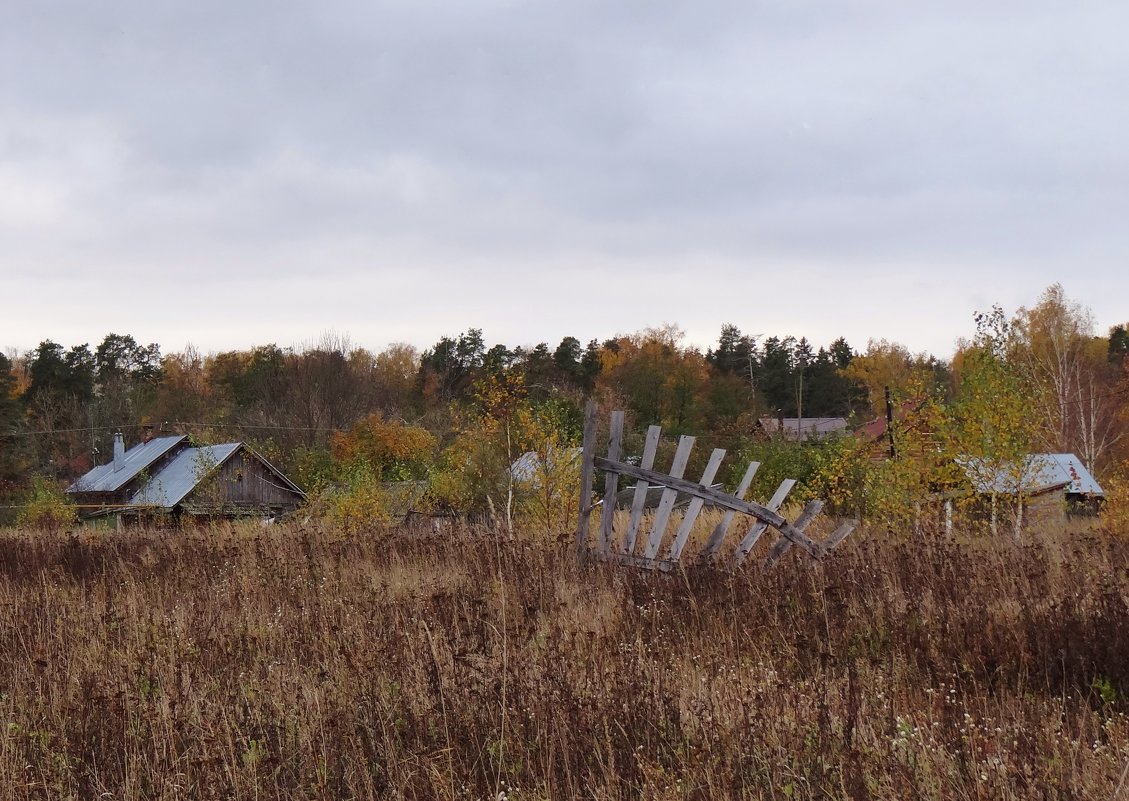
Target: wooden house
168	476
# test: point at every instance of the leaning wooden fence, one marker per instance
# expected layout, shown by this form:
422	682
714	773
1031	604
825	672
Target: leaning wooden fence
656	550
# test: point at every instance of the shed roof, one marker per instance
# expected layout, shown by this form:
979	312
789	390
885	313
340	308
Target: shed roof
1041	472
104	478
180	476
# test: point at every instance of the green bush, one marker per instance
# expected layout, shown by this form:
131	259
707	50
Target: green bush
360	503
46	506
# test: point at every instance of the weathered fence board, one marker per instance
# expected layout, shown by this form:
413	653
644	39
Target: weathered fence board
587	476
670	494
749	541
650	448
812	509
717	498
722	529
611	485
695	505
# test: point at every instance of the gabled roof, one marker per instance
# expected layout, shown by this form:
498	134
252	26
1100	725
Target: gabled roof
104	478
1041	472
180	476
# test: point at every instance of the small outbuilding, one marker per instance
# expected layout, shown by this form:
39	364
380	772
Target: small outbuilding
171	476
1046	487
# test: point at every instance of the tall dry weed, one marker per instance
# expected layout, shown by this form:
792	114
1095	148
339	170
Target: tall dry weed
295	662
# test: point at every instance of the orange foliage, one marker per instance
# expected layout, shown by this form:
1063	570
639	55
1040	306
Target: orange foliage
385	444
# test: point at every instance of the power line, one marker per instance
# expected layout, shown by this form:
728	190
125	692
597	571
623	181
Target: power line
178	423
82	430
254	427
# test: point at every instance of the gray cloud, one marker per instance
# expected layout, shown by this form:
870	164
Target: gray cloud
402	170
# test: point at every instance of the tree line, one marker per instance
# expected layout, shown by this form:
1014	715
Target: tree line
325	410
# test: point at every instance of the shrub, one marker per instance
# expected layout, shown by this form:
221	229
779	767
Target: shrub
46	506
361	503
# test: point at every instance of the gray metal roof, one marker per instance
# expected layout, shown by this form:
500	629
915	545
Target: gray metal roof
804	428
1041	472
104	478
528	465
180	476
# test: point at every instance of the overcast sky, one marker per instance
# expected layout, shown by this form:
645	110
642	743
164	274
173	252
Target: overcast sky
237	173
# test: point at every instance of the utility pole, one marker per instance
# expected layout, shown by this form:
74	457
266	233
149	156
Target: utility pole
890	424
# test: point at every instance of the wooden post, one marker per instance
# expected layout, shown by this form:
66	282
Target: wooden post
611	481
587	472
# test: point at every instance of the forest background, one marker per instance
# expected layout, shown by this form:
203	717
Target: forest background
344	422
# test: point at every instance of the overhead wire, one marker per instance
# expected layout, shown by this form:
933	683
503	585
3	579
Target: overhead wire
179	423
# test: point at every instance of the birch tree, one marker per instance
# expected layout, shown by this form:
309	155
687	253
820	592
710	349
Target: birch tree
1069	377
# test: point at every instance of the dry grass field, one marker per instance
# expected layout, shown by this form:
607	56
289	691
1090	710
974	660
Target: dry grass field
296	663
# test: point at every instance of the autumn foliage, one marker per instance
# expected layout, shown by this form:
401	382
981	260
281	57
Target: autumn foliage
456	417
395	451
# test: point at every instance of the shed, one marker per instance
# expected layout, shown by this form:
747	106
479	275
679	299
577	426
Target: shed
1045	487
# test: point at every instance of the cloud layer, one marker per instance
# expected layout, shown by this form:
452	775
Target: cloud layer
228	174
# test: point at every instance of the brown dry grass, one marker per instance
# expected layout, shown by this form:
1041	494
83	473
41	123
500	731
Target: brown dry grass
295	663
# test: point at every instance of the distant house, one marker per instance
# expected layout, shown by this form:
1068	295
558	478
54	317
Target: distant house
876	432
801	429
1045	487
168	475
878	427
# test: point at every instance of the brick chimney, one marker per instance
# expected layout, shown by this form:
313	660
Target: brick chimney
119	452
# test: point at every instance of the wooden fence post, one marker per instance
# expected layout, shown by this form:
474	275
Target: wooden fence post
611	482
587	473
